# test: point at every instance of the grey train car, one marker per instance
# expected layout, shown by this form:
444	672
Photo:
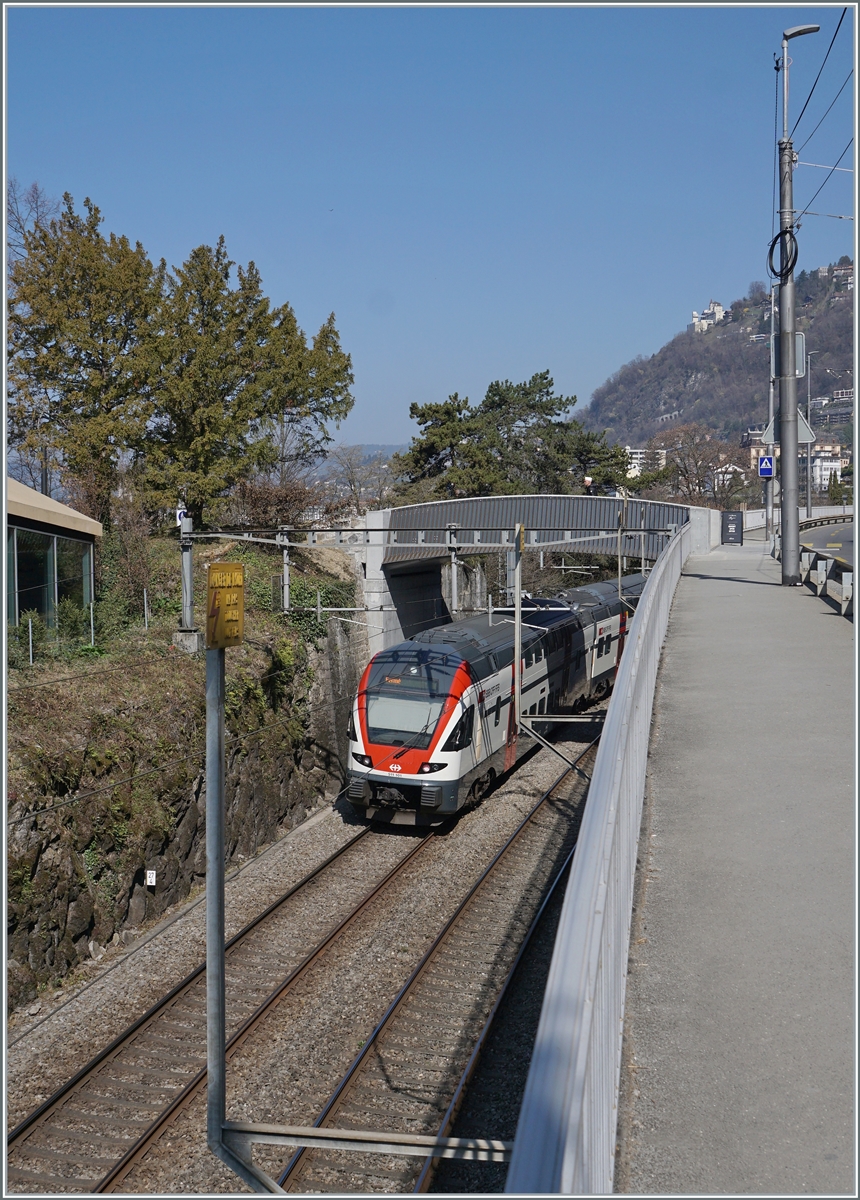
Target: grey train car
432	725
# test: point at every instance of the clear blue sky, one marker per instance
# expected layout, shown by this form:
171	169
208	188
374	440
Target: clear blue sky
477	193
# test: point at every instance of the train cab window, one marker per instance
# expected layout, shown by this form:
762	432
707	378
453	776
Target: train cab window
498	715
461	735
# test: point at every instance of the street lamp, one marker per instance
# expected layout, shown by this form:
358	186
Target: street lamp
809	354
787	243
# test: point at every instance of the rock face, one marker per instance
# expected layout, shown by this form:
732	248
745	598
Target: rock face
79	883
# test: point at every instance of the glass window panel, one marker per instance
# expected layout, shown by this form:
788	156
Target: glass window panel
11	614
72	560
35	561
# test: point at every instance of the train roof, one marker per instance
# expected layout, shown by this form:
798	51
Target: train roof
590	595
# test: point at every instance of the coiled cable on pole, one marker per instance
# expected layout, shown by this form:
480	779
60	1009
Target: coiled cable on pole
790	256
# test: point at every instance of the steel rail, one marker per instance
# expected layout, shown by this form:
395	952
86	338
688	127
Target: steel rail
422	965
139	1146
424	1179
181	1101
123	1037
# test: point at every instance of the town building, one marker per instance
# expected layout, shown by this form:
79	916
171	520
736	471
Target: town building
637	459
49	554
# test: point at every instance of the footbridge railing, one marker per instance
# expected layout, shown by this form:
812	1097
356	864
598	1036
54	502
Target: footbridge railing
565	1141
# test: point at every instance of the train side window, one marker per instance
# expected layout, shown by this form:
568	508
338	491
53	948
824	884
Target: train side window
528	656
498	715
541	705
533	710
461	735
538	655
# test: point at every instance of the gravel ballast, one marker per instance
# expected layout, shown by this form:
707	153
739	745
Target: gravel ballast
285	1070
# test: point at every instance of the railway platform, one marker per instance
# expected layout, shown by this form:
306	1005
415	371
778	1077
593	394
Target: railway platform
738	1061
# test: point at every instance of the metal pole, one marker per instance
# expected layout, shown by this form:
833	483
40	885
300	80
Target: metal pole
30	623
216	1092
490	608
642	540
283	540
186	547
768	520
510	569
620	520
809	355
92	626
145	611
455	602
789	523
518	628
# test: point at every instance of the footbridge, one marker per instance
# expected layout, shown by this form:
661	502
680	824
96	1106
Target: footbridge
414	561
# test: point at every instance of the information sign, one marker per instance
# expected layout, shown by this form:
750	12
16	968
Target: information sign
765	466
225	605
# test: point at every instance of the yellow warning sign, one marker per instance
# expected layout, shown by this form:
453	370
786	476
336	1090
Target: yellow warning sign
225	605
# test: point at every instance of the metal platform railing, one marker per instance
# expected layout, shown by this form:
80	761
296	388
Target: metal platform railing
565	1141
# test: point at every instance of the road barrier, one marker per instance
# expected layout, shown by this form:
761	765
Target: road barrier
565	1141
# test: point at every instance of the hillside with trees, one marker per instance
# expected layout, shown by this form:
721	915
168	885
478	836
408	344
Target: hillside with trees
719	379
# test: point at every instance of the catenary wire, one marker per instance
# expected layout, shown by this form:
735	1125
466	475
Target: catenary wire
818	76
186	757
829	173
832	102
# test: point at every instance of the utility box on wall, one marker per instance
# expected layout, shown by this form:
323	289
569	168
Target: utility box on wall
733	528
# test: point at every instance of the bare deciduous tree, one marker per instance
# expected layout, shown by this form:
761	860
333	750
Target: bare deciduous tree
25	208
364	482
701	468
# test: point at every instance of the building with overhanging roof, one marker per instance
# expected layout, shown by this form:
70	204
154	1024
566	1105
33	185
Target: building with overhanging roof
49	554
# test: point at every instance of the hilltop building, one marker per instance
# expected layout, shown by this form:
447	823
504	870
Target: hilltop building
712	314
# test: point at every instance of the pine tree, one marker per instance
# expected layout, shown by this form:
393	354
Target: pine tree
519	439
82	349
240	391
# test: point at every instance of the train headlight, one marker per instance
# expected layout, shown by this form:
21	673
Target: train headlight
364	759
431	768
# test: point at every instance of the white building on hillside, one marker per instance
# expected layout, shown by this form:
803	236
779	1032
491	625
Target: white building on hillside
712	314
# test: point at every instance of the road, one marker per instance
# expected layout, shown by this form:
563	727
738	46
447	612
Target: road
836	540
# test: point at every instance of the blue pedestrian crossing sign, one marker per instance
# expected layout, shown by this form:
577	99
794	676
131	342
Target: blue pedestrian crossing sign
765	466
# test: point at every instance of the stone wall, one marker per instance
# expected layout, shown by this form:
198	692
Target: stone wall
77	884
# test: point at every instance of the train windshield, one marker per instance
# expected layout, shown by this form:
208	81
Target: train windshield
406	690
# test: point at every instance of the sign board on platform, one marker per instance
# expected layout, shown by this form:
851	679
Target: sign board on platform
225	605
799	356
770	437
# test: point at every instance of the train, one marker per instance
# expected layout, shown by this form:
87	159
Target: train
432	725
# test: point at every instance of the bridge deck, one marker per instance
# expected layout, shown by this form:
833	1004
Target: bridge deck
739	1034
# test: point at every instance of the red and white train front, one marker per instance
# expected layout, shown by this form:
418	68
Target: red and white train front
412	733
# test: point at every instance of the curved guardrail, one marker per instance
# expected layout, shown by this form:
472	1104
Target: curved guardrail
565	1140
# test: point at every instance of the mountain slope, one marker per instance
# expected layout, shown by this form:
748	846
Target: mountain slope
720	378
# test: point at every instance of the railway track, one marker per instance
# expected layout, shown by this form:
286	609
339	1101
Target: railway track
99	1125
87	1135
410	1076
